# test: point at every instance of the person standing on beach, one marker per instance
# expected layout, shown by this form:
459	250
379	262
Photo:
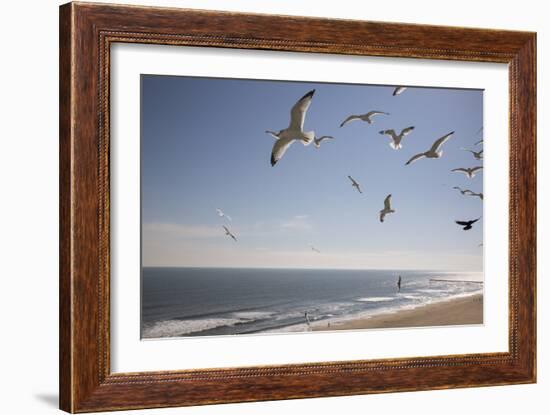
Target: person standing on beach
399	284
306	316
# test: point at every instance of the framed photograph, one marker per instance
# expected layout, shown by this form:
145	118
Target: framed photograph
260	207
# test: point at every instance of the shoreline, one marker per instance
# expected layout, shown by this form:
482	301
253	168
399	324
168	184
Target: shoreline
457	311
462	310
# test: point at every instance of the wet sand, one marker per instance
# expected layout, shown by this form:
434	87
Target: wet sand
459	311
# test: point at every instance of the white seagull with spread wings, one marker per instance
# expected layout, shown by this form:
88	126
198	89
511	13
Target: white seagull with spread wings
399	90
364	117
434	152
470	172
295	130
355	184
395	142
387	208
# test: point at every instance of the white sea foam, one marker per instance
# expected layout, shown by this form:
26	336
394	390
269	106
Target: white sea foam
173	328
375	299
252	315
414	297
419	301
295	328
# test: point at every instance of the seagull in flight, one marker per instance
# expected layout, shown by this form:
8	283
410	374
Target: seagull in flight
399	90
223	215
314	249
480	195
463	191
434	152
396	138
466	224
295	130
355	184
317	141
364	117
470	172
478	155
387	208
477	132
228	233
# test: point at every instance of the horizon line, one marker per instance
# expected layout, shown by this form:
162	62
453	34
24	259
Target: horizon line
311	268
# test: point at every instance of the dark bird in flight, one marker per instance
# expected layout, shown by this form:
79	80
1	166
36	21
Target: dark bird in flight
355	184
480	195
228	233
467	224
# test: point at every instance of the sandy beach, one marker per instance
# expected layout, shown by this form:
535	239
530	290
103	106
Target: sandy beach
465	310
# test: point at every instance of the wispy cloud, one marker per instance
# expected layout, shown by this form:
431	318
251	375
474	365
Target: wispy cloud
185	252
182	231
297	223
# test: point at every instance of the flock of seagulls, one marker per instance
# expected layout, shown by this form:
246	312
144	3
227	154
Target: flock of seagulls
295	132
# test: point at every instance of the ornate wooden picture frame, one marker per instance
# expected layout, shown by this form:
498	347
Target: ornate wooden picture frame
87	32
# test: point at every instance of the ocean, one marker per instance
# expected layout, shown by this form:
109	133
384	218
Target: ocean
178	302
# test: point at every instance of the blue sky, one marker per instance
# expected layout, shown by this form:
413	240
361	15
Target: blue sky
203	147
